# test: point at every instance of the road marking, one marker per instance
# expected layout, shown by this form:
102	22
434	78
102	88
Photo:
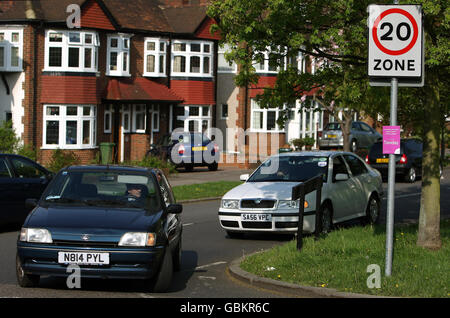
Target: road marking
209	265
207	277
187	224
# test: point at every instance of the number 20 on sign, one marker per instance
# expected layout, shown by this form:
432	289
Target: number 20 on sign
395	41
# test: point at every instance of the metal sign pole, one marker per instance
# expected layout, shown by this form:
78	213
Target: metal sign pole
391	185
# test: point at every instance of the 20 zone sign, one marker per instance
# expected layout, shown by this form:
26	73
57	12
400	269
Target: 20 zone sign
395	41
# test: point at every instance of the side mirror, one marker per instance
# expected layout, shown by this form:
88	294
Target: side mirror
244	177
31	203
341	177
175	208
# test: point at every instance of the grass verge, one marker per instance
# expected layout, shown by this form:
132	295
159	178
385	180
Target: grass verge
340	261
203	190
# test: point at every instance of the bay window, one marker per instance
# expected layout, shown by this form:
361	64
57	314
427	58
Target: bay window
264	119
155	57
11	49
192	58
71	51
118	55
69	126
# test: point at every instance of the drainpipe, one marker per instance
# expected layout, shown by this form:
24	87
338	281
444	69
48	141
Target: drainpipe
30	14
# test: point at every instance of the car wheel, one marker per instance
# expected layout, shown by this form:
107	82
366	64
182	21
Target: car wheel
373	210
25	280
176	257
353	146
213	166
327	219
411	175
163	279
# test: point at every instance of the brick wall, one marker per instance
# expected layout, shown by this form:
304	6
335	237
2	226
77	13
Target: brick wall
86	156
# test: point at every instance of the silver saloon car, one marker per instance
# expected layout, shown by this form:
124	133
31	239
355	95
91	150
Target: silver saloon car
351	189
361	136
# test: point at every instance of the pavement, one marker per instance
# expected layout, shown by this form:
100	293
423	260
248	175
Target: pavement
203	175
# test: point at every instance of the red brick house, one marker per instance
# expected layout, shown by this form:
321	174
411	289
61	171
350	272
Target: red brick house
132	72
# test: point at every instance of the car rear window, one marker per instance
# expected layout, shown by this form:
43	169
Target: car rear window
333	126
377	149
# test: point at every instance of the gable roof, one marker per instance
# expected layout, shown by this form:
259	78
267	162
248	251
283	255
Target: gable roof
47	10
141	15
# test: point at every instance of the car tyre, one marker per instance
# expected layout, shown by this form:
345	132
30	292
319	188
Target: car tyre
327	219
25	280
373	210
213	166
163	279
411	175
176	257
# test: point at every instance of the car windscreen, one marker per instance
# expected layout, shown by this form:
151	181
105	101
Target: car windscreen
333	126
112	189
195	138
291	169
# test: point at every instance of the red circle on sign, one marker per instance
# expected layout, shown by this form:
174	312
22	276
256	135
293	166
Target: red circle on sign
415	32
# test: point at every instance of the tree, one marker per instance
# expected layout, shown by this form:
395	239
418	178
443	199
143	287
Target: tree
334	32
331	35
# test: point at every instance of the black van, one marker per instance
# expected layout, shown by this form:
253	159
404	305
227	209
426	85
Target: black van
408	164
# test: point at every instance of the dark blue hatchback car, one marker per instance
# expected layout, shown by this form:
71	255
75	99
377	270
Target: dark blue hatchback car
111	221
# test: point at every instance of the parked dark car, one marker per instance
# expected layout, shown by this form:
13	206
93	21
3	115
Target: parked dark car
187	150
361	136
111	221
408	164
20	178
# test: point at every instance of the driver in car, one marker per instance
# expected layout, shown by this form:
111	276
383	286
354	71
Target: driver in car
135	192
283	171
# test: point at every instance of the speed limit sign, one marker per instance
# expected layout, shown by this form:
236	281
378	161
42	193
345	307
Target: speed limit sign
395	42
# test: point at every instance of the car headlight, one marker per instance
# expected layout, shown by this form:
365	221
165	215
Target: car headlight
35	235
230	204
138	239
290	204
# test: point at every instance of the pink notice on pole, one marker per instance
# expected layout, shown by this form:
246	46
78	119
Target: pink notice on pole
391	140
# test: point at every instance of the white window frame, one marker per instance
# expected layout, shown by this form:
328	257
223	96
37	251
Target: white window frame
157	53
223	66
142	110
121	50
221	111
7	44
188	53
187	117
255	108
63	118
155	115
109	110
65	46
